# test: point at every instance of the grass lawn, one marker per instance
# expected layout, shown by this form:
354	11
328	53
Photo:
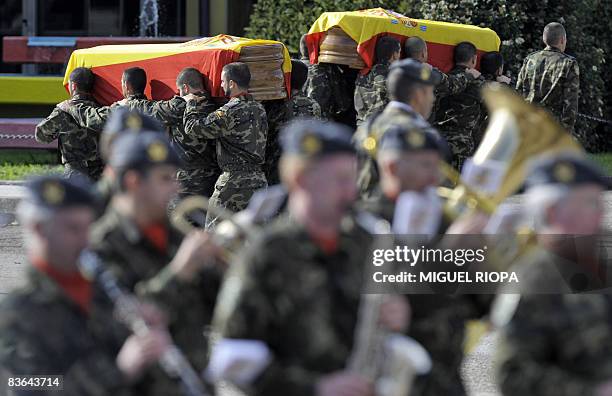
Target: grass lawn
19	164
604	160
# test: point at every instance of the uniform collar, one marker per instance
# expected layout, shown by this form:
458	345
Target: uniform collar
394	104
551	48
82	96
136	96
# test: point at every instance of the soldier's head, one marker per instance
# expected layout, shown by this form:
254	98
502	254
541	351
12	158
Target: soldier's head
81	80
492	63
299	74
189	80
413	82
564	195
303	47
555	36
388	50
235	78
318	167
408	159
133	81
145	166
56	214
416	48
466	54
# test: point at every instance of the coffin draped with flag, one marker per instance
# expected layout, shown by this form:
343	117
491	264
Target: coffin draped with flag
268	61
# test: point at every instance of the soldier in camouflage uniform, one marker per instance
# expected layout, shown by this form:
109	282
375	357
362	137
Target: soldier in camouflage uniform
371	89
410	85
332	86
551	78
239	129
280	112
314	251
59	323
148	255
556	336
459	116
78	145
492	68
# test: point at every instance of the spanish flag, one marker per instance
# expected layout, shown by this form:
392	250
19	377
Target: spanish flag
366	26
163	62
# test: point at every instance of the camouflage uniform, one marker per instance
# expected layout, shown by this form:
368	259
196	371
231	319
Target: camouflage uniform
551	78
279	113
141	267
78	145
95	118
451	84
43	332
201	171
371	92
308	337
459	117
330	85
240	129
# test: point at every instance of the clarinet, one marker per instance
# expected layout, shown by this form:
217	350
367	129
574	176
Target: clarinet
172	361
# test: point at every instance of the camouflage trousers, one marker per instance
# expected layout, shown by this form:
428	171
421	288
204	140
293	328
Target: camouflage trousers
197	181
461	145
93	170
368	177
233	191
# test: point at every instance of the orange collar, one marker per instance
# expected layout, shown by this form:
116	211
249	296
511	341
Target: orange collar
329	245
157	234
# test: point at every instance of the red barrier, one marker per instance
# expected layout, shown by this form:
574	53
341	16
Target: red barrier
19	133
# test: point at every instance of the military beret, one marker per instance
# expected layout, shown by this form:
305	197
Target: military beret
59	192
313	138
569	170
142	150
415	70
122	120
402	138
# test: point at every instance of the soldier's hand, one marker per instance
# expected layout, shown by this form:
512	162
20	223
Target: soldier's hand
469	224
473	72
191	96
64	105
153	315
140	352
344	384
395	314
503	79
196	252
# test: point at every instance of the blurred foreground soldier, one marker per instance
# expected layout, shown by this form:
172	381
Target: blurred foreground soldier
239	129
551	78
371	89
314	251
458	116
554	342
147	254
411	90
78	144
58	323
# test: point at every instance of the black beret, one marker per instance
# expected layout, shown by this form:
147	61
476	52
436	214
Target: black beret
415	70
143	150
313	138
409	139
566	169
59	192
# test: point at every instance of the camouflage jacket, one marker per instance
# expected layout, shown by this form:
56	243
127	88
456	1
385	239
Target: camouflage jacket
95	117
196	151
240	128
551	78
327	85
43	332
461	112
371	92
279	275
78	144
451	84
142	267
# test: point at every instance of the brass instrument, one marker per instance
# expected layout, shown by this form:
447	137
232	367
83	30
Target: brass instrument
172	361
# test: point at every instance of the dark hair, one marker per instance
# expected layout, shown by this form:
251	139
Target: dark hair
386	47
491	62
464	52
303	47
83	78
414	46
191	77
553	33
239	73
136	78
299	74
400	87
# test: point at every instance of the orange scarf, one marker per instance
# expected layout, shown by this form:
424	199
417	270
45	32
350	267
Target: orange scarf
157	234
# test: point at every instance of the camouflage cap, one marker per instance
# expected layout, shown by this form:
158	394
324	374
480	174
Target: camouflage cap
401	138
415	70
567	169
58	192
313	138
123	120
143	150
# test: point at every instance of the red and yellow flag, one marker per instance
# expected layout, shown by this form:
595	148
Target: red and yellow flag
366	26
163	62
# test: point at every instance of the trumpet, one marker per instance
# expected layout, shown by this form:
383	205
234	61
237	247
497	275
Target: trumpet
173	361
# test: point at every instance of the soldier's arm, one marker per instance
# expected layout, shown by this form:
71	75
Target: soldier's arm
520	80
49	129
319	89
208	126
571	93
452	84
381	97
168	112
316	110
89	117
527	349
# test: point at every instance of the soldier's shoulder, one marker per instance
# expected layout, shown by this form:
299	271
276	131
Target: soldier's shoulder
104	228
